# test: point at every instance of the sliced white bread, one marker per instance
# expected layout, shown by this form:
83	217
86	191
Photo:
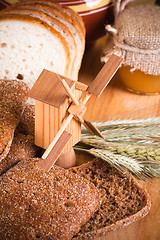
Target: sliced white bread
77	20
28	45
55	24
31	40
68	22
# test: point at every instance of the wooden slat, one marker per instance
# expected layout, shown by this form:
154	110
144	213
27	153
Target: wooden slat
47	163
81	86
46	124
49	89
92	129
39	123
105	75
69	91
77	110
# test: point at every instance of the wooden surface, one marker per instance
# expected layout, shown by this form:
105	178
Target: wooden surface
118	103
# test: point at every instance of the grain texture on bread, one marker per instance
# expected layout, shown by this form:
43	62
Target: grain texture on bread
13	96
35	204
22	148
123	200
26	124
23	145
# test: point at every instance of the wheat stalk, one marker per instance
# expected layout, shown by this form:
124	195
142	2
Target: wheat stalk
131	131
131	145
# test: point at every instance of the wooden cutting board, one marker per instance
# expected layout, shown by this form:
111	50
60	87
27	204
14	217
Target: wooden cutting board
118	103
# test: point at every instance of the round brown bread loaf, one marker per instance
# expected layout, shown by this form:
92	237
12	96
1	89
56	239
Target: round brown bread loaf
26	124
22	148
13	96
52	205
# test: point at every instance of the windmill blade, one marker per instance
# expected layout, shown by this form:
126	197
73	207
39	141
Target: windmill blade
105	75
46	163
78	111
92	129
69	91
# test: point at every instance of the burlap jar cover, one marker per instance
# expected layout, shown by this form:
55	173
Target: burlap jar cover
136	37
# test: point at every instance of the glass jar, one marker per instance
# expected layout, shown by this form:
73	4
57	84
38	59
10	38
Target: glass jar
136	38
139	82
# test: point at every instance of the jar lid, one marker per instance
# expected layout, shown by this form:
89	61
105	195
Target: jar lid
137	38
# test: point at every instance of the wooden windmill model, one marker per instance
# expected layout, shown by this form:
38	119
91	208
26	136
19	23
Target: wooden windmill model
59	110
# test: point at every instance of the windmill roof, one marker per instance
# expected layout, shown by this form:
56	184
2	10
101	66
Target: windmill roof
49	89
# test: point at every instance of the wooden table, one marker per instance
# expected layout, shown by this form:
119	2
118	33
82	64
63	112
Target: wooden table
118	103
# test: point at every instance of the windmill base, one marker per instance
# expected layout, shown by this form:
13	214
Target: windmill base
67	159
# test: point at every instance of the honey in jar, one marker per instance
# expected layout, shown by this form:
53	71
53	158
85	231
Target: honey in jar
139	82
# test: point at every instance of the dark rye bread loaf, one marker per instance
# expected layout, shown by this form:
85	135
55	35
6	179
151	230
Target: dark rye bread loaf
26	124
13	96
35	204
123	200
22	148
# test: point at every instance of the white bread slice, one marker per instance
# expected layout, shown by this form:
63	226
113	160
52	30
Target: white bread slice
27	46
75	17
55	24
67	21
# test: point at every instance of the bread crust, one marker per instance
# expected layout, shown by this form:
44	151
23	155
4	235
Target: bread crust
22	148
13	96
64	9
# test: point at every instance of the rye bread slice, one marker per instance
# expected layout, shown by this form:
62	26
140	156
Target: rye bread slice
13	96
35	204
123	200
69	22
